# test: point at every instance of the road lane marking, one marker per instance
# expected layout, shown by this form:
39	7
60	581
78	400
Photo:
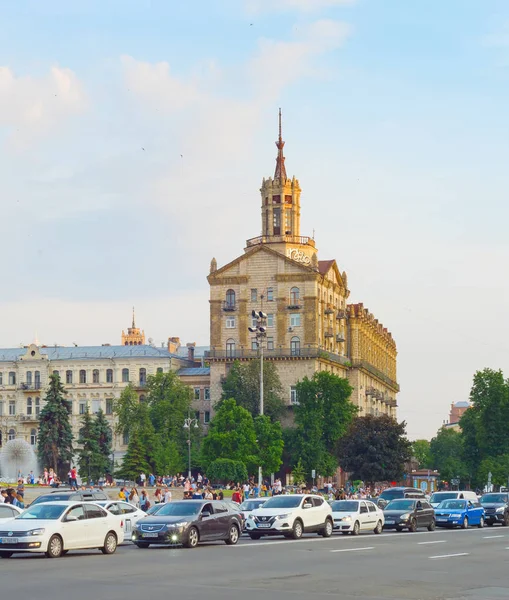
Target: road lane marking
450	555
354	549
492	537
434	542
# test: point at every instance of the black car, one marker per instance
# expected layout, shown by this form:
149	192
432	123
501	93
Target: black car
496	508
395	493
189	522
410	514
78	496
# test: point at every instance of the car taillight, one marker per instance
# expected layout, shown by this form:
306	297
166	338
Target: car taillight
121	523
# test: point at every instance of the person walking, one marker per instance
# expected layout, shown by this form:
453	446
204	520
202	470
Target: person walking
144	501
134	497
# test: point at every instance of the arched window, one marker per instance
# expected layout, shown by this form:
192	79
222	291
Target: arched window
159	369
125	375
95	376
56	373
37	380
68	377
30	405
125	438
143	398
33	437
294	295
230	348
230	298
83	376
143	376
29	377
109	375
126	344
37	406
295	346
12	378
11	435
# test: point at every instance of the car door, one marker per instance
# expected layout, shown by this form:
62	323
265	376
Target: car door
97	520
473	513
363	515
319	514
207	524
74	527
130	515
373	516
222	518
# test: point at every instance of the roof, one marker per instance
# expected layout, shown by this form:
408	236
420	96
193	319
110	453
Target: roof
199	351
324	266
89	352
194	371
462	404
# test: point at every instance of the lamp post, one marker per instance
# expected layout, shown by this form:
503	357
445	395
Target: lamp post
188	423
260	331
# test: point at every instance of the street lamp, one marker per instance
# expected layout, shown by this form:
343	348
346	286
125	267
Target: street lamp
188	423
260	331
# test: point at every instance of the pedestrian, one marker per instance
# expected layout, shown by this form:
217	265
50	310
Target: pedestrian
144	501
167	495
121	494
3	496
237	496
134	497
143	479
158	496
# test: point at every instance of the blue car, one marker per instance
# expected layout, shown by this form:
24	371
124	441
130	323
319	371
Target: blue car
459	513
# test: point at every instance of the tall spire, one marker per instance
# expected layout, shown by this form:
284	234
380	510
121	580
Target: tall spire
280	172
134	324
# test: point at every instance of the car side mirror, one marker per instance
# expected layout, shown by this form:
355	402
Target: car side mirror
307	505
205	514
70	518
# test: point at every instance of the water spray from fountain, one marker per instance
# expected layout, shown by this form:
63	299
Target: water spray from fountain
17	456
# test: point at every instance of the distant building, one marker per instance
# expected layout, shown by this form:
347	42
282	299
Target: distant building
457	411
134	336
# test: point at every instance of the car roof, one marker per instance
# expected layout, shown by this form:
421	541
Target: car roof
67	503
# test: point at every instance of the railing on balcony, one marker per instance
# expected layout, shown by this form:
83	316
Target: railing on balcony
328	332
340	337
341	315
362	364
29	387
29	418
294	302
288	239
229	306
329	309
277	353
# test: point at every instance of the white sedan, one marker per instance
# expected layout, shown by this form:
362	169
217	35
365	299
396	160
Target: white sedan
126	513
54	528
8	512
357	515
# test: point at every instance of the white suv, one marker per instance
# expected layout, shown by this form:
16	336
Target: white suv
290	516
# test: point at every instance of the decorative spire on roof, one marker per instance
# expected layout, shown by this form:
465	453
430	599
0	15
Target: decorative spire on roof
134	324
280	172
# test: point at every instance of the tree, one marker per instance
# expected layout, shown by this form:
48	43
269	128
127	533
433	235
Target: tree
322	416
135	461
421	453
269	438
168	458
225	469
375	449
104	437
446	450
89	458
298	473
55	437
243	384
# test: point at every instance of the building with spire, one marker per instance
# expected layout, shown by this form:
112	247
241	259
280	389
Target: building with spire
134	336
311	326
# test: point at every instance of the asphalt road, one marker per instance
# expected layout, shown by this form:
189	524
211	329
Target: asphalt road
441	565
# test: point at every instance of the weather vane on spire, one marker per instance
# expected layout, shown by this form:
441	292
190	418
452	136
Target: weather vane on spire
280	172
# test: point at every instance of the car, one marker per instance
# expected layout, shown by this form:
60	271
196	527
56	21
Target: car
80	495
248	505
496	508
189	522
354	516
459	513
395	493
291	516
8	512
409	513
127	513
54	528
438	497
155	508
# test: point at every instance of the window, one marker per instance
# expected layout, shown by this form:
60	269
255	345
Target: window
254	345
68	377
1	410
29	406
254	295
37	406
95	375
109	406
11	435
125	375
12	378
125	438
270	320
197	393
230	348
270	294
230	298
126	508
288	222
29	377
12	407
254	322
94	512
277	221
143	398
143	376
1	378
371	507
114	509
294	296
293	395
206	393
197	416
159	369
270	343
295	346
294	319
96	406
206	416
83	376
82	409
56	373
109	375
37	380
33	437
317	501
230	322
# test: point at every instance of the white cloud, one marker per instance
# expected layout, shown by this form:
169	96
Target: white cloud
258	6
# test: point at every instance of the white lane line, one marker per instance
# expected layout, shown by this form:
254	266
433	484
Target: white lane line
492	537
450	555
354	549
435	542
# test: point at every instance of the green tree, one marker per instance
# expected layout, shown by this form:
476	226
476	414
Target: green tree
55	438
225	469
270	444
421	453
104	437
499	469
135	461
89	457
375	449
168	458
446	450
243	384
298	473
322	416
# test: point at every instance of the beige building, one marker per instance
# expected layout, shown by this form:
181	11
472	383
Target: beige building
310	324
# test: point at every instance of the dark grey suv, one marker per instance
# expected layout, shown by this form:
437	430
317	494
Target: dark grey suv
496	508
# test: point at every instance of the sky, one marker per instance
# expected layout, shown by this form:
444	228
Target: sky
134	136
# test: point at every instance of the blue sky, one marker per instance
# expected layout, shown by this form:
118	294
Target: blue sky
395	122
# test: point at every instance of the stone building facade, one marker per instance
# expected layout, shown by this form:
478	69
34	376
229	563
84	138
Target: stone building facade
310	324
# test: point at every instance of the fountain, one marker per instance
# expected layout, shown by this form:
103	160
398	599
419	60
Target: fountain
17	456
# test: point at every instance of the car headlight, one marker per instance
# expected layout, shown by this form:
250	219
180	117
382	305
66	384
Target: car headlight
347	518
500	509
181	524
405	517
285	516
36	532
455	515
251	517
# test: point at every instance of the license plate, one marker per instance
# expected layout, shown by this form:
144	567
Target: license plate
263	524
389	522
441	520
153	535
10	540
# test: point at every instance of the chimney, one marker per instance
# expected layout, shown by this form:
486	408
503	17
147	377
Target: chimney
190	351
173	344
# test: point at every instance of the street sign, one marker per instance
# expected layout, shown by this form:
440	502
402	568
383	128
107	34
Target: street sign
313	473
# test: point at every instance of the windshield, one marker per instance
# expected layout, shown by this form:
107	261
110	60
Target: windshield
155	508
457	504
441	496
400	505
392	493
494	498
283	502
52	498
345	506
179	509
49	512
252	504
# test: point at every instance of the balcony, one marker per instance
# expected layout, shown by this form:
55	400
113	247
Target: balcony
362	364
29	418
341	315
328	332
293	302
277	353
29	387
142	384
303	240
329	309
229	306
340	337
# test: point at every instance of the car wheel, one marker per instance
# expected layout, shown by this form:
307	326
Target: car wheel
481	523
141	544
55	547
193	537
356	528
464	525
110	543
255	536
432	525
378	528
297	530
233	535
328	528
413	526
6	554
